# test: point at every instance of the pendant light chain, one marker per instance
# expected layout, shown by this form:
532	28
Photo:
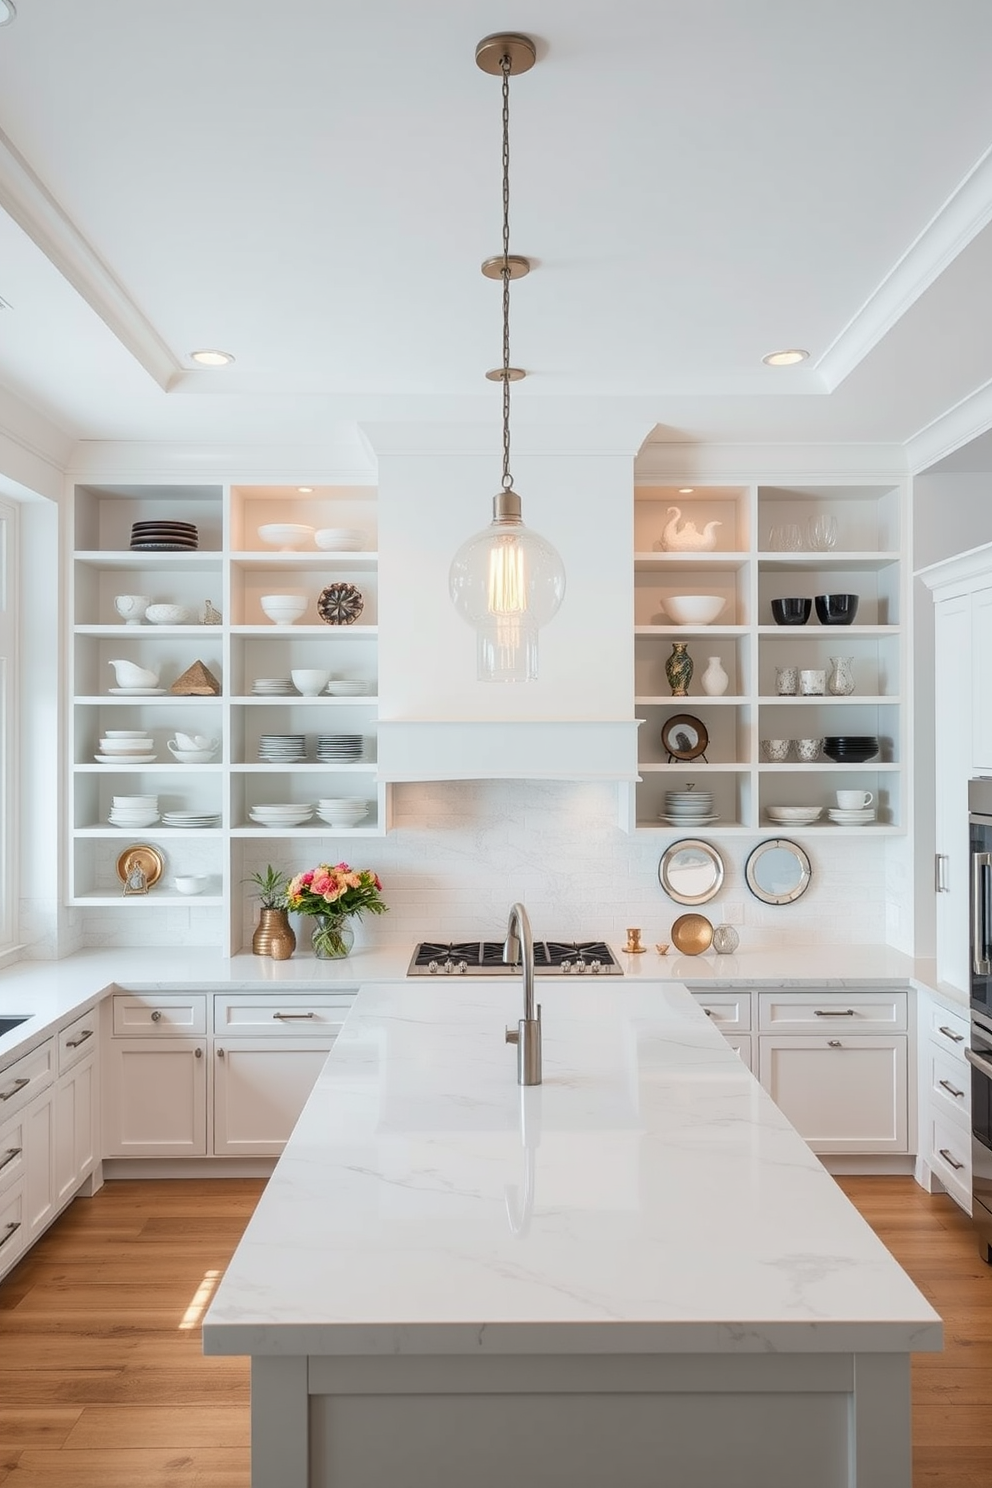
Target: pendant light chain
506	64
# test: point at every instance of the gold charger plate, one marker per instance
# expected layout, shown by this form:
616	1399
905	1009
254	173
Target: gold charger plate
142	856
692	934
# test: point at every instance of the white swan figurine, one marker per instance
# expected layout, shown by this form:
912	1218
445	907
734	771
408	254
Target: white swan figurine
687	538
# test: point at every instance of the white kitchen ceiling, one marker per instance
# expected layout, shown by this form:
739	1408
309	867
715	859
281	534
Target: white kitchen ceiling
313	186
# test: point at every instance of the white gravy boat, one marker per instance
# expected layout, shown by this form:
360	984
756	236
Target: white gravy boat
131	675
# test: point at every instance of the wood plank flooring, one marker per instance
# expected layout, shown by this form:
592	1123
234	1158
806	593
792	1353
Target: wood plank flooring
103	1385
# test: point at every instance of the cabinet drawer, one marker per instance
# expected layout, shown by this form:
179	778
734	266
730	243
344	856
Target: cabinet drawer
832	1011
949	1081
21	1081
949	1030
950	1158
318	1013
162	1016
13	1230
78	1039
11	1153
728	1011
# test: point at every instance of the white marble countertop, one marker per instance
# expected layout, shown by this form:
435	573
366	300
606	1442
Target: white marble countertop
648	1197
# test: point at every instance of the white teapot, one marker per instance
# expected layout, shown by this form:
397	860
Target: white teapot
131	675
687	538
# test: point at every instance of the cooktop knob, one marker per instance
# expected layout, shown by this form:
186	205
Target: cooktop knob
566	967
596	966
433	967
463	967
449	966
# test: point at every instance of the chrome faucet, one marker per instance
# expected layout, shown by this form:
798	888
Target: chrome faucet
519	946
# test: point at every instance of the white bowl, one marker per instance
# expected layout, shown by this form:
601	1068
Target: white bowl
191	883
339	539
283	609
693	609
126	734
193	756
130	823
131	607
309	680
287	536
167	614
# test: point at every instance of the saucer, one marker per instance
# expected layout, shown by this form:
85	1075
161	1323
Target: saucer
125	759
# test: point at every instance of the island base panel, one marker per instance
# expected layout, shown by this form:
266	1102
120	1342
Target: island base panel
756	1421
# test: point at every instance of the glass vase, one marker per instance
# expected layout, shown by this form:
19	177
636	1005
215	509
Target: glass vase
840	682
333	937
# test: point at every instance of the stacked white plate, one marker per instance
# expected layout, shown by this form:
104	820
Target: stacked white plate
689	808
858	818
344	688
795	816
282	749
273	687
286	814
342	811
339	748
131	812
190	820
126	747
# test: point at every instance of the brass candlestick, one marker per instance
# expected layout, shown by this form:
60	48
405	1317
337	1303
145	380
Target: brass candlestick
633	946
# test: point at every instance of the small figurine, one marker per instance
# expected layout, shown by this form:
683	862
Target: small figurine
210	615
136	882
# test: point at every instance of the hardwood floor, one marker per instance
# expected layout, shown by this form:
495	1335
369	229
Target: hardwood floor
103	1385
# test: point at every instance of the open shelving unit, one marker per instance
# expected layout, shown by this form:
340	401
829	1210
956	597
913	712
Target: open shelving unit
748	573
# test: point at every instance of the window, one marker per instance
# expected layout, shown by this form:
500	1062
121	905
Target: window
8	721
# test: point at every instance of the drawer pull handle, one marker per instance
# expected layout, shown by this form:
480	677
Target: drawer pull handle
289	1017
75	1043
708	1012
834	1044
6	1095
957	1094
220	1054
9	1156
834	1013
198	1053
156	1016
957	1038
14	1224
948	1158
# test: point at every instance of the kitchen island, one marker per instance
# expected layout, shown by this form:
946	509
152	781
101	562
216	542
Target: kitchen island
634	1273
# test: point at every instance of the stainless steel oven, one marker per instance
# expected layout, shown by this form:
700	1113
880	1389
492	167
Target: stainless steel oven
979	1056
980	1053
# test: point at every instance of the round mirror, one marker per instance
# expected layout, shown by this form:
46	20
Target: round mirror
691	871
778	871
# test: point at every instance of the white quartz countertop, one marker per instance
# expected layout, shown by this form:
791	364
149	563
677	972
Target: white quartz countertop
647	1197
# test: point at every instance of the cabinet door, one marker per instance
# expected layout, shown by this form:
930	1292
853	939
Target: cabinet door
981	640
953	751
841	1094
260	1088
156	1098
75	1128
39	1165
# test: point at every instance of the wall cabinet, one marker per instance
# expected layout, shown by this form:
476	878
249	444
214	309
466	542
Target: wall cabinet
203	812
767	548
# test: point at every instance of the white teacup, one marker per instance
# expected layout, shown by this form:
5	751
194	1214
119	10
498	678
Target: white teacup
854	800
194	741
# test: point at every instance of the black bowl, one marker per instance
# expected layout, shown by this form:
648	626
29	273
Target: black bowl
850	756
836	609
791	611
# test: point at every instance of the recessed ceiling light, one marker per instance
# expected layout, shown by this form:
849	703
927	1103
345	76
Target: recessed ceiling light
305	490
785	358
207	358
686	490
8	12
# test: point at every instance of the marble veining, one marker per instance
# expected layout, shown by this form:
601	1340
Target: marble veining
649	1196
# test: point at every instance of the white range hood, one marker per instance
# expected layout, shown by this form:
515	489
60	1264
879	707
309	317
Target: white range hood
579	749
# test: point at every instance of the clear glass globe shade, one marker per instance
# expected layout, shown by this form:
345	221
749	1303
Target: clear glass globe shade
505	571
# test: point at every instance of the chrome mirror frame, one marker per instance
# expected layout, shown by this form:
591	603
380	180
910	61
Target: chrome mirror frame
705	850
781	844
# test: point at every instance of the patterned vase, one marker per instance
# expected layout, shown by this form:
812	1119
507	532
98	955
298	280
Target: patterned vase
840	682
678	669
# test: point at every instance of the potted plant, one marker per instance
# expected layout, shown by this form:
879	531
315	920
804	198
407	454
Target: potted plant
333	895
274	935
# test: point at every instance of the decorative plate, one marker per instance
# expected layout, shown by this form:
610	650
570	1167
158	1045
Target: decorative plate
340	604
684	737
147	858
692	934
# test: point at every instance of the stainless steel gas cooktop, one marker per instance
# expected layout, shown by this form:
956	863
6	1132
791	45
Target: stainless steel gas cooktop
485	958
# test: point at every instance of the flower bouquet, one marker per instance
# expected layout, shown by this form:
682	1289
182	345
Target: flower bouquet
332	894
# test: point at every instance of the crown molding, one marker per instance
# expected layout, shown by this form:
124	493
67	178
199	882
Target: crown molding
34	452
27	200
956	427
965	213
233	462
673	462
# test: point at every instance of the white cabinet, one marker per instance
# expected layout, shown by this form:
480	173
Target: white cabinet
981	693
76	1104
234	568
40	1198
765	551
837	1064
945	1102
260	1088
155	1099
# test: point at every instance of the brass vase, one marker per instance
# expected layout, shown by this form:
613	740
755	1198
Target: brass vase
273	930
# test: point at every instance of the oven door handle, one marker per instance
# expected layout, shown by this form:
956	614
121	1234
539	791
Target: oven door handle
984	1066
981	865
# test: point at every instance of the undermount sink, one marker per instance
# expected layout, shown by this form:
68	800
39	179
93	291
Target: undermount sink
6	1024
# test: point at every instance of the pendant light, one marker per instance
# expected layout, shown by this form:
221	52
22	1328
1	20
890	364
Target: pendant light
507	581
